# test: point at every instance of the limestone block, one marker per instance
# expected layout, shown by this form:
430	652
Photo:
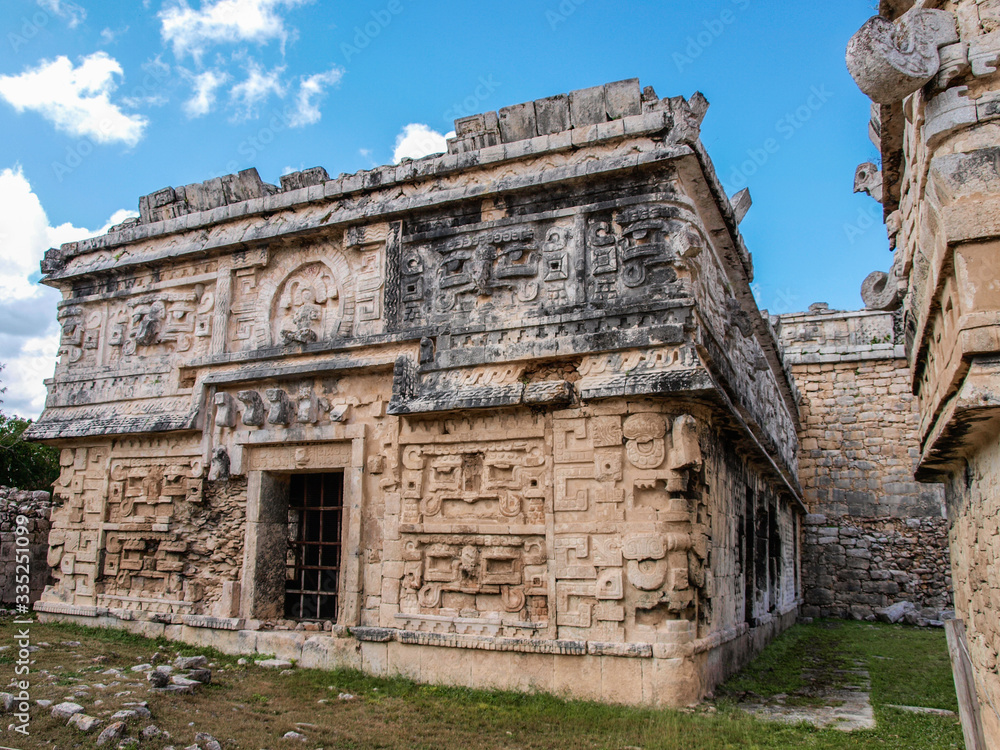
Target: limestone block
517	122
587	106
84	723
552	114
66	709
304	178
623	99
374	658
284	645
490	669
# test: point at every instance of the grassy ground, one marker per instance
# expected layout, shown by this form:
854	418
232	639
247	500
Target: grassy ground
250	708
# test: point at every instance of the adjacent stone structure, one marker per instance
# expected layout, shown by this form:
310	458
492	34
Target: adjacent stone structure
875	536
36	508
932	69
503	417
854	567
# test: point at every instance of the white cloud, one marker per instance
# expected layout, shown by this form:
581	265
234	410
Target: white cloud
311	90
24	374
77	100
191	31
258	86
29	334
72	12
108	35
417	140
205	85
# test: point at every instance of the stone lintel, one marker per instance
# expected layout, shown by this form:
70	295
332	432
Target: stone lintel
970	418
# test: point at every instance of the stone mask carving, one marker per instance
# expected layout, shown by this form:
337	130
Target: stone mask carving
645	445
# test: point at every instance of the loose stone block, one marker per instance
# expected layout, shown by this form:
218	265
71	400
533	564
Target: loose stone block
623	99
552	114
518	122
587	107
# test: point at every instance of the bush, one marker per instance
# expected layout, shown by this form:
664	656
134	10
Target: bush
27	466
24	465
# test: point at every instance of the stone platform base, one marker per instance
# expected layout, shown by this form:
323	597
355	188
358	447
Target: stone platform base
625	673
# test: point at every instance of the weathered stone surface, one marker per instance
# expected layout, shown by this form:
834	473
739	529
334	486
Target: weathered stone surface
941	197
896	612
889	60
204	676
158	679
35	509
112	733
530	377
84	723
66	710
274	664
859	426
190	662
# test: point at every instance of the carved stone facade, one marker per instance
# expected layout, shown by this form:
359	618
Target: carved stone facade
932	69
504	417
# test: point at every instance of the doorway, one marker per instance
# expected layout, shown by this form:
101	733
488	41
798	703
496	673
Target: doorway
315	541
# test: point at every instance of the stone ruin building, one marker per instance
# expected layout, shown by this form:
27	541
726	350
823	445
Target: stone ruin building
931	71
505	417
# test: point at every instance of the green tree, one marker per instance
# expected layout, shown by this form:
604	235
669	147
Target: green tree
25	465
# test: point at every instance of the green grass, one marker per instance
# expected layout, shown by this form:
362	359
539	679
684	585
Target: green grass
907	666
248	708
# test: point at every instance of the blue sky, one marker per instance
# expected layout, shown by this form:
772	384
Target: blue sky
101	102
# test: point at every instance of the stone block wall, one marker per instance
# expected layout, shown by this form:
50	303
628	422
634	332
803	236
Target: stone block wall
36	506
875	536
855	565
974	511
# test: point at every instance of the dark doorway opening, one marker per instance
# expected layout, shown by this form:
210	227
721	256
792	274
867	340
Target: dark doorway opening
315	525
749	550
